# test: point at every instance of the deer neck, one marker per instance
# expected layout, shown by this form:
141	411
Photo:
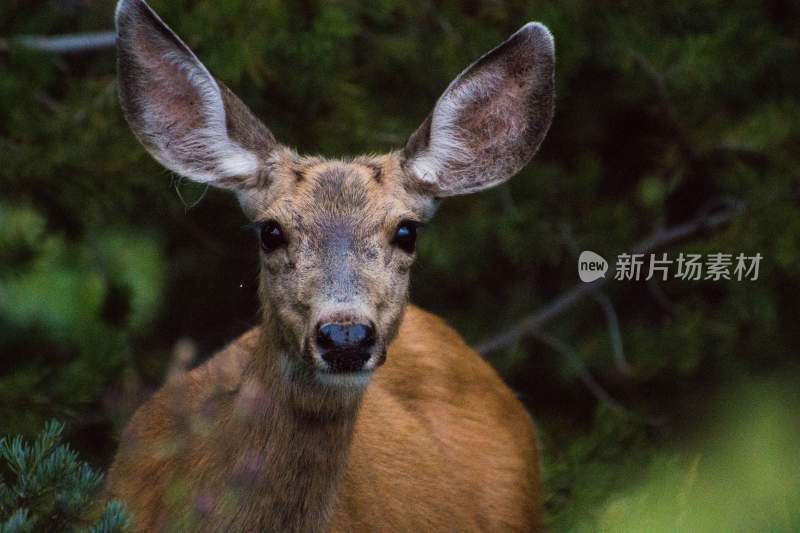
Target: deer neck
296	438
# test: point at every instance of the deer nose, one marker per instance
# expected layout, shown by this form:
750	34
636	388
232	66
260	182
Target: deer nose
334	336
345	346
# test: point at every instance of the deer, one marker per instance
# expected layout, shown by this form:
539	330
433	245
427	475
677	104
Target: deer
345	408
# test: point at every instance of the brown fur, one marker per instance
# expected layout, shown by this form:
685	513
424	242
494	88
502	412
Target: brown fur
436	442
269	435
439	444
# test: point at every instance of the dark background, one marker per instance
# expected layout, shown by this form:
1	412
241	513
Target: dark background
661	406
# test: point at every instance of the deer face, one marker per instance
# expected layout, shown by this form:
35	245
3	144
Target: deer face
337	242
337	237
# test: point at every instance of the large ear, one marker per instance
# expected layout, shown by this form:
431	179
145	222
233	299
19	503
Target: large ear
189	122
491	119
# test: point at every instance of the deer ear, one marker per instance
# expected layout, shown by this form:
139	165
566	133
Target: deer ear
491	119
189	122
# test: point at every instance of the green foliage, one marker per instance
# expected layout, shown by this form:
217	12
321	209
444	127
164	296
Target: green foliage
67	312
45	487
663	109
742	476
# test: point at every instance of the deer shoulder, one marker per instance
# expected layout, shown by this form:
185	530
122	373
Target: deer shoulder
165	445
433	394
444	432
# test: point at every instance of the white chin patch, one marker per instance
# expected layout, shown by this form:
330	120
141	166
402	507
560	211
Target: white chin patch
350	379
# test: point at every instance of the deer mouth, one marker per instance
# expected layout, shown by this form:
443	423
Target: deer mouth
351	367
357	379
346	361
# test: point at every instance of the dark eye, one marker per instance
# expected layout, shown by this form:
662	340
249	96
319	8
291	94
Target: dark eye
272	236
405	237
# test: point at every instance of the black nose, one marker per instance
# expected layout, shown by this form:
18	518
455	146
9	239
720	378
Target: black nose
345	347
334	336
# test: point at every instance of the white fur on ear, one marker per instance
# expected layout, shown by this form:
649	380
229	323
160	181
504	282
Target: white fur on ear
448	143
491	118
212	140
204	154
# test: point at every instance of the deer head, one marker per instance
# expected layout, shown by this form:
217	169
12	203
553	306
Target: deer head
337	237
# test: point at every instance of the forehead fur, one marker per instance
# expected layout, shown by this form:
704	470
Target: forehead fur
362	187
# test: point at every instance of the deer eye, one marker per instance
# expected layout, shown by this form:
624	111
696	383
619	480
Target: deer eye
272	236
405	236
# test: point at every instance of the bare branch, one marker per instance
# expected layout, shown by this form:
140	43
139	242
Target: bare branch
660	296
612	320
707	219
63	44
589	381
614	332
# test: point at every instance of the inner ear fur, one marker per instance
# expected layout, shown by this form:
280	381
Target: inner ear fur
185	118
490	120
